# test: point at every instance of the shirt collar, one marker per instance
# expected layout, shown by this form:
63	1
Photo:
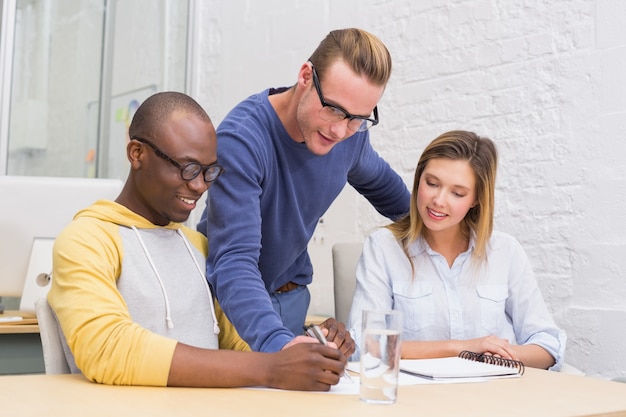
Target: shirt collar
420	246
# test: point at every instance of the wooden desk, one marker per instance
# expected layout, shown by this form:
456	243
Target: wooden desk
536	393
27	325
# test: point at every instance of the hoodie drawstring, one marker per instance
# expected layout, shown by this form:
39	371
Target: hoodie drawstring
216	327
168	317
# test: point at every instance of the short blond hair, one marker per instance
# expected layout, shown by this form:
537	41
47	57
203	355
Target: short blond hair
364	53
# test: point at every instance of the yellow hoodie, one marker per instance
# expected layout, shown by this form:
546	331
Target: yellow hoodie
125	291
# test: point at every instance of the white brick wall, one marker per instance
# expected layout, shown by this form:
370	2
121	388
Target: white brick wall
544	79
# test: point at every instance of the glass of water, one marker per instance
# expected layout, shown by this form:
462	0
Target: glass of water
380	356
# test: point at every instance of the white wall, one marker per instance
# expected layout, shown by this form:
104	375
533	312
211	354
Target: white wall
544	79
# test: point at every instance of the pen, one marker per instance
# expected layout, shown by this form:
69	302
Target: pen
314	330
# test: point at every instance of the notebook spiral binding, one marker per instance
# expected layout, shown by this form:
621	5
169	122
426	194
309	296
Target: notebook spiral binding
481	357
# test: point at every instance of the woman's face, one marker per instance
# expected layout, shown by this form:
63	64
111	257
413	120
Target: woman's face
446	192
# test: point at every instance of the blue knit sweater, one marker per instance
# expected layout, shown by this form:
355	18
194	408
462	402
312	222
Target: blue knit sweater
263	211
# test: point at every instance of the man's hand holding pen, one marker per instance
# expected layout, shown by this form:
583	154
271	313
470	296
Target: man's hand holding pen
334	343
336	332
315	331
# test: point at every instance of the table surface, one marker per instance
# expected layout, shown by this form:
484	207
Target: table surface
536	393
27	325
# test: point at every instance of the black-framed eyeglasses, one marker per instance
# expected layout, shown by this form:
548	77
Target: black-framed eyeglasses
332	114
190	170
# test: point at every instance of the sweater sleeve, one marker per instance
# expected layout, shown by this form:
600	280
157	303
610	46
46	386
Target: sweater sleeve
375	180
108	346
232	223
228	337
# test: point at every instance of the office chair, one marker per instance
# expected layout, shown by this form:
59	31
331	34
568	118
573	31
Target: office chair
345	259
53	354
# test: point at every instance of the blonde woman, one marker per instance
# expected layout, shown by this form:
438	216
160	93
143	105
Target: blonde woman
460	285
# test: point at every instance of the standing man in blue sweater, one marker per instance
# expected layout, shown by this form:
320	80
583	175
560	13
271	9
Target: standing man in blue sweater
287	154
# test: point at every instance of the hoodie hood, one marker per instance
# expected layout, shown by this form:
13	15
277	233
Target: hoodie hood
110	211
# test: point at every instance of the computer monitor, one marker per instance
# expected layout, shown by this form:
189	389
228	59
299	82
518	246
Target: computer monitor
32	213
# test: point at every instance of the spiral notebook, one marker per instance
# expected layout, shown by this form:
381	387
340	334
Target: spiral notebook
466	365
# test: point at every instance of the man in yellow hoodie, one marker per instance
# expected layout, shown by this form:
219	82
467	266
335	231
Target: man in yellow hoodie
128	285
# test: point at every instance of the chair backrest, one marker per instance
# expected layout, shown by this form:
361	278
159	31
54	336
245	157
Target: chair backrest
345	259
52	346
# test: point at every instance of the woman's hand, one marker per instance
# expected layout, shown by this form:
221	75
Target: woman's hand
491	345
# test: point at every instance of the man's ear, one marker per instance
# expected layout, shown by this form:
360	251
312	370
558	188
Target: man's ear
134	153
305	76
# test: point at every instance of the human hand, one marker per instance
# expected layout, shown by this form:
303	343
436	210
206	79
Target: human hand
305	339
335	331
491	345
307	366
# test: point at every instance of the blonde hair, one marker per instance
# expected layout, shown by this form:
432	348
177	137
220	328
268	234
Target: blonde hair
364	53
482	156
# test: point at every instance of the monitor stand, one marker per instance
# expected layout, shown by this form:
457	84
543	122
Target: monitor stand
37	282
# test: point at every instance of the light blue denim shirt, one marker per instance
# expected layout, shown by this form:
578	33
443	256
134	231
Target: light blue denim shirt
466	301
